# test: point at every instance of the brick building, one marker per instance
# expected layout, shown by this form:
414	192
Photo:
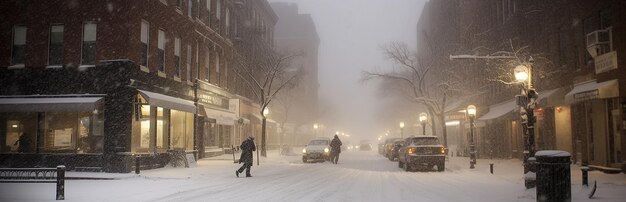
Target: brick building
576	46
99	84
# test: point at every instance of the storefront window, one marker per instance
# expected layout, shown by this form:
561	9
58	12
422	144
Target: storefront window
60	130
73	131
177	129
162	128
210	135
90	133
181	129
19	132
141	129
225	136
190	130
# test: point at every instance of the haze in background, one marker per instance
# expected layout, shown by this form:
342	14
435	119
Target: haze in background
351	33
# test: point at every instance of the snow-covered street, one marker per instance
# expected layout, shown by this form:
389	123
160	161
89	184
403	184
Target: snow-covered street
359	176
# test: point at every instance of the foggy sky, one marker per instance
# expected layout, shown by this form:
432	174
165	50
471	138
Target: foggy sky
351	33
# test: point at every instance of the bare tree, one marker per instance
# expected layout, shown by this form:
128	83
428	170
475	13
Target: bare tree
266	73
425	80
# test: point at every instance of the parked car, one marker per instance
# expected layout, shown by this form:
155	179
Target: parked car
422	152
388	146
393	153
318	149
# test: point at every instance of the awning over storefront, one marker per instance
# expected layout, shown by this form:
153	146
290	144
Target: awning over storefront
221	117
503	108
546	94
169	102
498	110
44	104
593	90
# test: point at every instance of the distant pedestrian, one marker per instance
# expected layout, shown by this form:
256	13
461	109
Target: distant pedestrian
247	147
335	149
23	143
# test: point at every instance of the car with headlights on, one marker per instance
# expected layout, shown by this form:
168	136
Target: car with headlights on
318	149
422	152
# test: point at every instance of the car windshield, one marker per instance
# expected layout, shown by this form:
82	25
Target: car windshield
425	141
318	142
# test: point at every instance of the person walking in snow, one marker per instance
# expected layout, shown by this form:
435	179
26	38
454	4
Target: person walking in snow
247	148
23	143
335	149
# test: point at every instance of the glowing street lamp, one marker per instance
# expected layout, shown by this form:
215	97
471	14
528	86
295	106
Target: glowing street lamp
423	118
527	100
471	112
401	129
265	112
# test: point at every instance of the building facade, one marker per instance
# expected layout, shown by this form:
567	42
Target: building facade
298	106
576	49
102	84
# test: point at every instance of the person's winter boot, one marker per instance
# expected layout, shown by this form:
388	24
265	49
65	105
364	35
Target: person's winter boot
237	173
248	175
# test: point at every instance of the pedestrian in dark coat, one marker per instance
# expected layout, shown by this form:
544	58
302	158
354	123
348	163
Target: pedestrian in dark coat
335	149
247	147
23	143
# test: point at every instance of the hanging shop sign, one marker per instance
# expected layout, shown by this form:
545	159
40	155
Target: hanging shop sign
606	62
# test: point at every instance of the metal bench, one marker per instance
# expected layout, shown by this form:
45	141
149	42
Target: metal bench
36	175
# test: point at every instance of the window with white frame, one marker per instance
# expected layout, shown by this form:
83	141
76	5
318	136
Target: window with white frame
19	45
177	56
208	64
218	14
161	51
218	9
189	54
225	73
145	36
197	56
190	8
55	46
208	9
88	55
217	67
227	21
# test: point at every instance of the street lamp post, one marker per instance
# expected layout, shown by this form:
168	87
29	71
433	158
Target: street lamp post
527	102
315	126
402	129
423	118
471	112
266	111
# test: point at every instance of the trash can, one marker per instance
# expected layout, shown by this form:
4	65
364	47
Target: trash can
553	176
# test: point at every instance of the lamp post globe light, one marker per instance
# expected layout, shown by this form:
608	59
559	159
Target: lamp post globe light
423	118
471	113
266	111
402	129
527	102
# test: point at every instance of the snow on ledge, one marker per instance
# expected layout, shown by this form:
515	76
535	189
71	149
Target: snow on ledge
116	60
554	153
18	66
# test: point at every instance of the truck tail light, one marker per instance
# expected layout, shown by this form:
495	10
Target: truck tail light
442	150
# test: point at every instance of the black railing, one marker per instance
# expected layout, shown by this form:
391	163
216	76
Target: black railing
36	175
